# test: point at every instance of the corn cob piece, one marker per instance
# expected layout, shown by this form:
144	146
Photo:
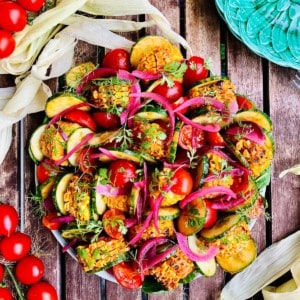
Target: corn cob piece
172	270
120	202
102	254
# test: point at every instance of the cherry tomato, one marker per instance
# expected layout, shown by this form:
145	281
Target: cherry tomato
117	59
196	70
106	120
244	102
41	291
8	219
16	246
7	44
13	17
45	170
182	182
5	294
240	183
31	5
128	275
81	117
2	272
178	102
191	137
112	220
86	163
211	216
172	93
48	221
121	172
29	270
214	138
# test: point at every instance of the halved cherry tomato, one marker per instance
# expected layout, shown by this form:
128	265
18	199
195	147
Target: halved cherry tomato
29	269
240	183
2	272
86	163
106	120
48	221
45	170
41	291
118	59
8	219
121	172
7	44
214	138
196	70
128	274
178	102
172	93
211	215
244	102
112	221
191	137
81	117
31	5
13	17
182	182
5	294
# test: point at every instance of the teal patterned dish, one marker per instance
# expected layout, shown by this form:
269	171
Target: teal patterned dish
270	28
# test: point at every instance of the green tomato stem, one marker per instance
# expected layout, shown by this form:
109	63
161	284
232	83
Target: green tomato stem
13	278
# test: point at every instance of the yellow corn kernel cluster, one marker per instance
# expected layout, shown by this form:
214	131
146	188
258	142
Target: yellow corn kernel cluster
120	202
101	255
172	270
110	93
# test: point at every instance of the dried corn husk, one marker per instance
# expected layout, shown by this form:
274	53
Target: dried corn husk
271	264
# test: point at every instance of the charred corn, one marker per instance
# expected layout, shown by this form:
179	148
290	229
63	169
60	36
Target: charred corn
120	202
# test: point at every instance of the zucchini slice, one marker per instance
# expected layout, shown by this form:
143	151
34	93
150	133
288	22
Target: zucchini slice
207	268
34	150
61	101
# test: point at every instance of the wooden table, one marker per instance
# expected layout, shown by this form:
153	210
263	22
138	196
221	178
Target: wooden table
269	85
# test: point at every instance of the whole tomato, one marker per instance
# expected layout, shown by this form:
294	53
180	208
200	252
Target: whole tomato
5	294
121	172
2	272
106	120
31	5
118	59
172	92
16	246
81	117
41	291
182	182
29	270
7	43
211	216
45	170
8	219
112	219
13	17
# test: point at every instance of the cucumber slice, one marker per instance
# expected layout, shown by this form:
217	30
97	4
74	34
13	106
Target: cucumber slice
174	143
98	204
45	189
59	191
35	151
74	139
206	268
122	154
151	113
103	138
201	172
221	227
207	81
133	200
167	213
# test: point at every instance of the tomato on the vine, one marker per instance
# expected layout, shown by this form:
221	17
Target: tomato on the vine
41	290
86	163
45	170
211	215
112	221
191	137
170	91
182	182
5	294
106	120
81	117
128	274
16	246
13	17
8	219
7	43
117	59
31	5
48	221
2	272
121	172
29	270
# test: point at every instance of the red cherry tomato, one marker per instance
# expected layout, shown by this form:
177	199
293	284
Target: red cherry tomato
196	70
106	120
29	270
13	17
214	138
86	163
211	216
7	44
191	137
112	220
5	294
117	59
45	170
2	272
172	93
178	102
81	117
41	291
16	246
8	219
244	102
128	275
31	5
121	172
240	183
182	182
48	221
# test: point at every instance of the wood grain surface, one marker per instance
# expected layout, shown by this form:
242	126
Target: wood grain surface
269	85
